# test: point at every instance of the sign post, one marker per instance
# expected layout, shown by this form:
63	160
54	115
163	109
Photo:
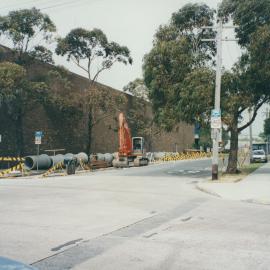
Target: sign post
38	136
216	126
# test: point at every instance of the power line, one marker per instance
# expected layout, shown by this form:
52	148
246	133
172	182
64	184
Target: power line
69	3
21	4
38	3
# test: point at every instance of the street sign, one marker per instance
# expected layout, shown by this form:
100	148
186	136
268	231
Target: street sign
215	113
37	140
38	136
216	119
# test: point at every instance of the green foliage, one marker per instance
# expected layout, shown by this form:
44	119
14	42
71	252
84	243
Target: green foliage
42	54
16	89
197	96
24	28
177	59
60	97
249	15
137	88
181	85
12	84
179	70
85	48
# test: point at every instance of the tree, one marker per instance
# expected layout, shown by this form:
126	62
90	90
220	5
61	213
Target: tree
181	84
15	92
248	15
253	20
27	29
92	53
176	54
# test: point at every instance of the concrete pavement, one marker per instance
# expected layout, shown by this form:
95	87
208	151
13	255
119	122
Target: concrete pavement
254	188
140	218
40	217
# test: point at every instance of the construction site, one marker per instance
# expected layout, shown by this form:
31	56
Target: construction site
49	136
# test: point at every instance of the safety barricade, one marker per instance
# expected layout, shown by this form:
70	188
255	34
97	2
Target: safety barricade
18	167
184	156
53	169
11	159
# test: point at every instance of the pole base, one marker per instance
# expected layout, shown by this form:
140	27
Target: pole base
215	172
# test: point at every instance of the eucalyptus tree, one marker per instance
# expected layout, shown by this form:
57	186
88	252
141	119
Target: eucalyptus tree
179	71
91	51
28	30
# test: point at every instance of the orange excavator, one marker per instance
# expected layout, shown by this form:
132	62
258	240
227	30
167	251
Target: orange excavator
131	151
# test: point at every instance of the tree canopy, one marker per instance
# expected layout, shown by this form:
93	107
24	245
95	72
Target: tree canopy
179	71
90	47
177	55
28	29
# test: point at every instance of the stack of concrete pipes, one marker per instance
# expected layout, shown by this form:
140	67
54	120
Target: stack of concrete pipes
44	162
108	157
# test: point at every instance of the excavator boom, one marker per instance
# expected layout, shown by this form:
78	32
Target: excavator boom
130	152
125	141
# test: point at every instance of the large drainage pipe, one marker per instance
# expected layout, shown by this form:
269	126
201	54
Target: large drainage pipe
44	162
83	157
57	159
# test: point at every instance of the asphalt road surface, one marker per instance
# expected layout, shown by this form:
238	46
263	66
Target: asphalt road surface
139	218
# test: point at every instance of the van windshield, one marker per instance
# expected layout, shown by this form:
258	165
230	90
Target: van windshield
258	152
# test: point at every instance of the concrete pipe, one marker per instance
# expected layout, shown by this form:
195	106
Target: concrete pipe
57	159
159	155
100	156
83	157
44	162
68	155
108	158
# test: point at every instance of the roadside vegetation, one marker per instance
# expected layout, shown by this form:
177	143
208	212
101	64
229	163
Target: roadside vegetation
244	171
179	71
29	32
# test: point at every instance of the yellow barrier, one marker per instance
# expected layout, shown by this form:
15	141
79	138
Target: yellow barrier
18	167
11	159
184	156
54	168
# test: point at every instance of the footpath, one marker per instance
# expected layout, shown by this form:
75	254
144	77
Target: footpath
254	188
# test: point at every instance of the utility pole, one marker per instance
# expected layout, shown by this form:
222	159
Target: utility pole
267	116
216	123
250	135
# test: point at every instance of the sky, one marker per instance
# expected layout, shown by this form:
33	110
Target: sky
132	23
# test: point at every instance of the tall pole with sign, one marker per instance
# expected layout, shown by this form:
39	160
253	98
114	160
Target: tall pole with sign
38	136
217	113
216	125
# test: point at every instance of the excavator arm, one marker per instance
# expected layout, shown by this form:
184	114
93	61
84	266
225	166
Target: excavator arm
125	140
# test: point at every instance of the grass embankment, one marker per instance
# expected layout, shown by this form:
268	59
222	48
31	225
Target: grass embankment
245	171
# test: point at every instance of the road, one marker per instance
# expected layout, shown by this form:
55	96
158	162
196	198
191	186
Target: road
139	218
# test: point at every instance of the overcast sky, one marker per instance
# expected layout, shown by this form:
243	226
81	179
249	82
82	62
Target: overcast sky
132	23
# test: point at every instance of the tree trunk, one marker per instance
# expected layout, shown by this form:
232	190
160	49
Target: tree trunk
233	156
89	132
19	136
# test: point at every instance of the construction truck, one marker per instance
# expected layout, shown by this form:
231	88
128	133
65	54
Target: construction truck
131	151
